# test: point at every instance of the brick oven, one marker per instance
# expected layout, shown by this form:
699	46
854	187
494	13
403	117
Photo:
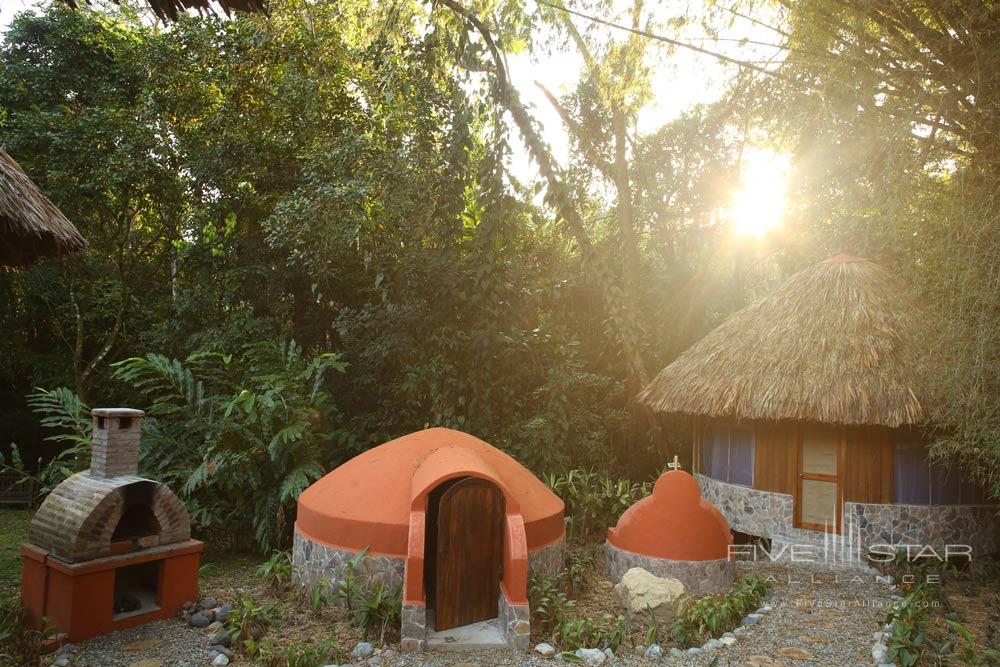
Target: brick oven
109	549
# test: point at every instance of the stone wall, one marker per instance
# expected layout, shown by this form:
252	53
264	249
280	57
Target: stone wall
413	628
548	560
515	621
934	525
702	577
749	511
314	561
771	515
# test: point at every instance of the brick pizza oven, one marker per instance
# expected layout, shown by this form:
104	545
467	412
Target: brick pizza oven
109	549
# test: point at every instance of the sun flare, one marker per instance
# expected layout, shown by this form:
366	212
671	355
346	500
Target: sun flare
758	204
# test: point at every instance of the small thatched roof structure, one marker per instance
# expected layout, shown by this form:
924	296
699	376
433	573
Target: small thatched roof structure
839	342
31	226
170	9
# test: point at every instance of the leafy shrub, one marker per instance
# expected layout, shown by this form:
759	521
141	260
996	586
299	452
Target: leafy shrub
378	609
249	621
550	606
314	655
20	644
320	596
607	632
276	571
63	412
240	437
714	615
593	501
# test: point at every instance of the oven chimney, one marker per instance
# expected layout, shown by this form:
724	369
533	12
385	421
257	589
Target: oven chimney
115	438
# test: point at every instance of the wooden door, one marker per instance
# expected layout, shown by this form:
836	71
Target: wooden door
470	522
819	503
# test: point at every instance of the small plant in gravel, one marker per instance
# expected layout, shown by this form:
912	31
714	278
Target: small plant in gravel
20	644
714	615
351	586
249	621
276	571
320	596
607	632
378	609
314	655
550	606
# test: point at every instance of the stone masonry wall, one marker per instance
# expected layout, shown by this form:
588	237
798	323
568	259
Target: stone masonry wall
935	525
767	514
548	560
750	511
313	562
699	577
515	621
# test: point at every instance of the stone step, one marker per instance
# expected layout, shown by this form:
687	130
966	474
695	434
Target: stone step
484	634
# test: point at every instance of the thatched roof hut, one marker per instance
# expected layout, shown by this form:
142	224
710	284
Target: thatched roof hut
30	225
808	411
837	343
170	9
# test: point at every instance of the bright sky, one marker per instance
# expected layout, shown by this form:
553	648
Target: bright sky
681	78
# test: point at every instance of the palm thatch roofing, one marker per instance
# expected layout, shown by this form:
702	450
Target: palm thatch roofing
839	342
31	226
171	9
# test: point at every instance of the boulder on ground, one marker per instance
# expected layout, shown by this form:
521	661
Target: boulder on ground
640	592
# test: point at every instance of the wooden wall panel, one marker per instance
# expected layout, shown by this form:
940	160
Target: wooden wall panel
776	453
868	465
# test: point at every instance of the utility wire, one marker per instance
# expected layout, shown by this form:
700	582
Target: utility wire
674	42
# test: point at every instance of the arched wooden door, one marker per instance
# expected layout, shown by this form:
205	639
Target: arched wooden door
469	553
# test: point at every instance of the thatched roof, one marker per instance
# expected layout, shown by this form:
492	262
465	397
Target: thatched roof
838	343
31	226
170	9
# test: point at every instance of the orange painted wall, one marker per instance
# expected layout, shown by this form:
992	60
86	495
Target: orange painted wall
367	501
673	523
78	598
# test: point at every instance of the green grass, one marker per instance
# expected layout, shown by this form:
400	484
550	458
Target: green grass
13	531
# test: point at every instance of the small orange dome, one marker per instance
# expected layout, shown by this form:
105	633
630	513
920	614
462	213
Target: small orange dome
367	501
674	523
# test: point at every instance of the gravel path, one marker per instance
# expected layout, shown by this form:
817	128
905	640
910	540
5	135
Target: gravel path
167	643
817	617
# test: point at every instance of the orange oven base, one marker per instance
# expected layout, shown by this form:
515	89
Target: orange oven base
79	598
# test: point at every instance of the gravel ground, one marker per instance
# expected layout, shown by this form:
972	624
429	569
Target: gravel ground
818	617
167	643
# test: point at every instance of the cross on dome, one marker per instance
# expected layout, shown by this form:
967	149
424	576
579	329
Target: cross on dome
675	464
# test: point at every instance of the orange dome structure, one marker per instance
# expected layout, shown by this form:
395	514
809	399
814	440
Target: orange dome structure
435	511
674	533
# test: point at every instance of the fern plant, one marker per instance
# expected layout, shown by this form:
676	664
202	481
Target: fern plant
241	436
68	418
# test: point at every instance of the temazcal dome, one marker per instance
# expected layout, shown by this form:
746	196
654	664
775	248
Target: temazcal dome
674	533
434	509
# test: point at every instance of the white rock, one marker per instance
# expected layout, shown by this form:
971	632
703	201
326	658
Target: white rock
362	650
711	645
751	619
739	631
694	650
654	651
676	652
608	652
221	660
638	592
728	641
591	656
545	650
